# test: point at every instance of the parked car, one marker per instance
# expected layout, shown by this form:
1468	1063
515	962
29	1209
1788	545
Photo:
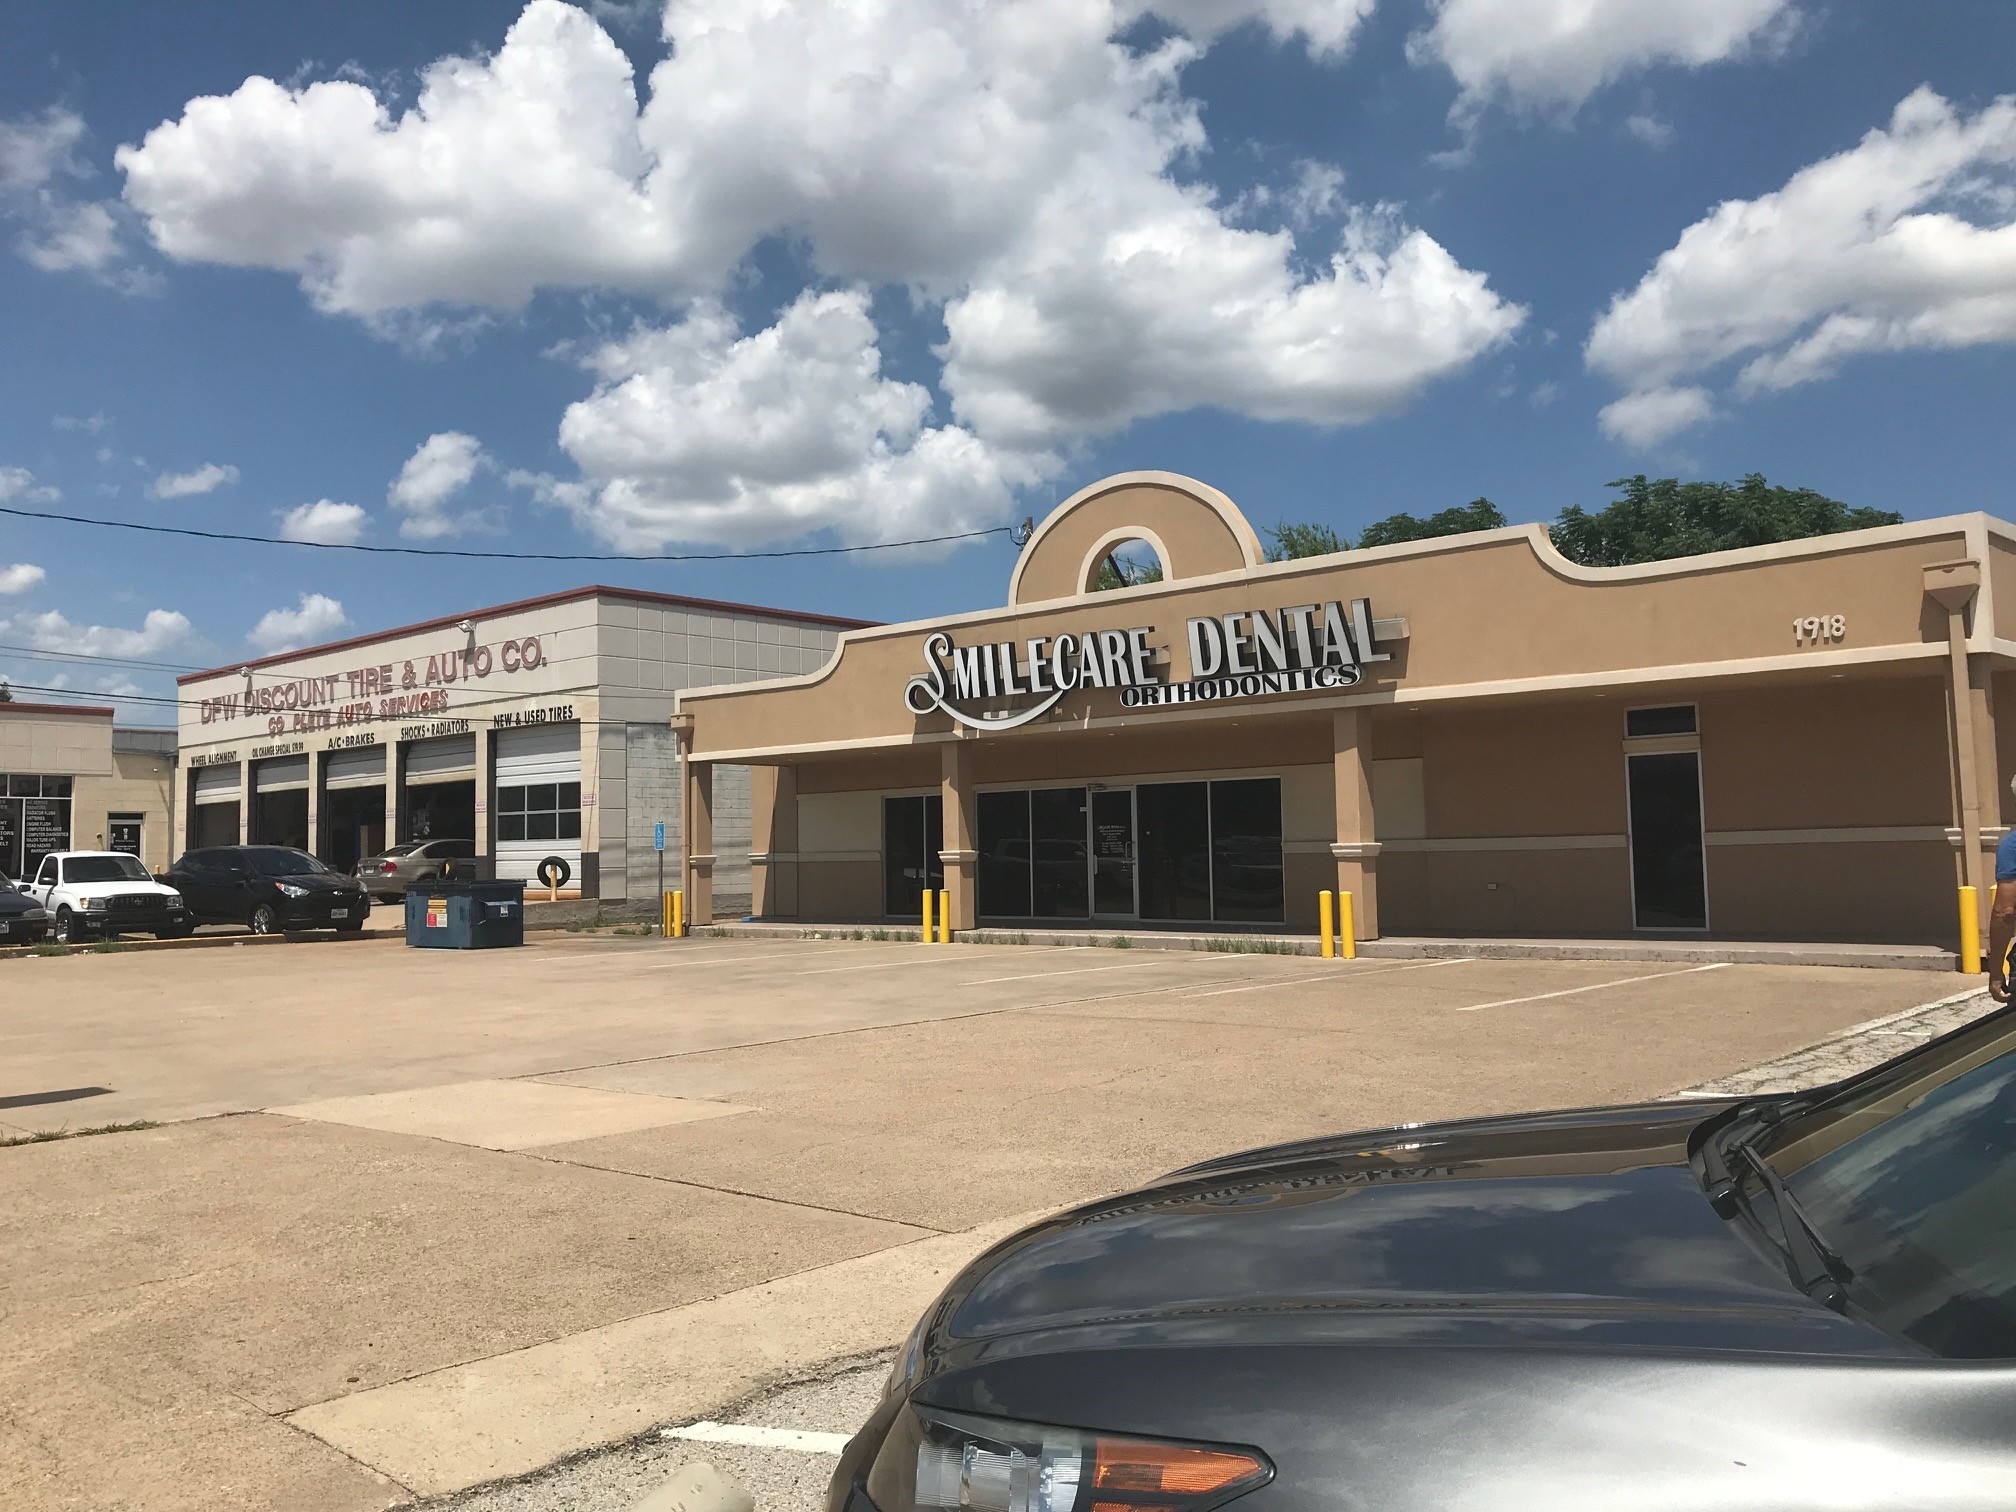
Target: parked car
23	920
268	889
388	874
104	894
1788	1302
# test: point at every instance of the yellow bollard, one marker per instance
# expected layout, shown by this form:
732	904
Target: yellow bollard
678	914
928	934
1326	916
1347	927
1970	932
665	916
944	918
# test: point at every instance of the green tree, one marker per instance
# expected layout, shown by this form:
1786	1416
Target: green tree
1117	569
6	693
1478	514
1291	542
1654	520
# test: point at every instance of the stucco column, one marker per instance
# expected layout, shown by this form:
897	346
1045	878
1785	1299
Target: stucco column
960	855
244	803
485	836
315	759
698	842
1954	586
1356	848
773	841
394	792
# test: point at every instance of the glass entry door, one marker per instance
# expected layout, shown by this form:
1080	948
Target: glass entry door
1113	854
1669	887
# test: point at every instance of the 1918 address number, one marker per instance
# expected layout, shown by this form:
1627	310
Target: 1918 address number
1819	629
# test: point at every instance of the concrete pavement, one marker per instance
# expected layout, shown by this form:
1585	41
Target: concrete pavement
489	1229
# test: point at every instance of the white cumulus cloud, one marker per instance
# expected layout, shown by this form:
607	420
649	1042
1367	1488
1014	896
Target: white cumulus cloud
315	617
20	577
1905	241
19	483
160	631
1014	166
39	169
1552	55
198	480
696	432
437	471
1325	26
1652	415
325	523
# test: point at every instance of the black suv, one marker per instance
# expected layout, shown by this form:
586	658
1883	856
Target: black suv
269	889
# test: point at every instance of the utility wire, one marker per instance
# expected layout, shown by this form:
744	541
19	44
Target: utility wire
505	556
39	653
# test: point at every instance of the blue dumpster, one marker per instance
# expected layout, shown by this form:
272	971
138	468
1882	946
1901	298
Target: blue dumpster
465	915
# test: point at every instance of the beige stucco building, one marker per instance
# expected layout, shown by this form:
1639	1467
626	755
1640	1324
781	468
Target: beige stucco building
1471	735
71	780
535	730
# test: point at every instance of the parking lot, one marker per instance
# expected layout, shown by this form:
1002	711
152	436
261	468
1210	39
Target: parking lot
471	1214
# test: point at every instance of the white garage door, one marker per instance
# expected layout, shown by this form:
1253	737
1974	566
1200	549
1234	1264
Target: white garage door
359	766
217	784
538	809
450	759
283	774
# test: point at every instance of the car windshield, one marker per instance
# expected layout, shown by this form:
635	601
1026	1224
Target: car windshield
104	869
1909	1179
285	863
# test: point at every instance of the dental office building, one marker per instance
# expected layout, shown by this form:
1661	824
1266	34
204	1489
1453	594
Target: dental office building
1472	735
537	730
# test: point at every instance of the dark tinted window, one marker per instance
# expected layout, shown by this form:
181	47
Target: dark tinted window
1915	1187
1057	852
912	835
285	863
1673	719
453	850
104	869
1004	854
1175	826
1246	851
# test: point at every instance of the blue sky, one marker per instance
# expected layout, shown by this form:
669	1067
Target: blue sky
525	277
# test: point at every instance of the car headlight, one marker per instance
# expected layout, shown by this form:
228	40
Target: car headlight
94	905
934	1459
293	890
33	916
175	900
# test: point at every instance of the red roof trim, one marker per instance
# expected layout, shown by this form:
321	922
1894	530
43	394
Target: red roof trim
642	595
94	710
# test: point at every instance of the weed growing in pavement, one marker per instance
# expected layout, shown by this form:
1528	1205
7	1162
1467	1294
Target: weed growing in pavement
46	1136
1238	945
49	948
878	934
1121	942
110	947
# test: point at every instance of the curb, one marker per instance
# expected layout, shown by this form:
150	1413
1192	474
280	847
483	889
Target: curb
203	942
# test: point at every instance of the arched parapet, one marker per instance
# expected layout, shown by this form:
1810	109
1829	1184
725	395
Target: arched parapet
1194	528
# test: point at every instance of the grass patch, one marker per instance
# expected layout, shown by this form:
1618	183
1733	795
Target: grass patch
878	934
1121	942
49	948
49	1136
634	931
110	947
1239	945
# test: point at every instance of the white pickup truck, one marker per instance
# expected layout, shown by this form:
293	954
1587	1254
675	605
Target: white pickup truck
99	894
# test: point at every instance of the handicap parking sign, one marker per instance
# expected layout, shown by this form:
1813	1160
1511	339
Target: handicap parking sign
658	836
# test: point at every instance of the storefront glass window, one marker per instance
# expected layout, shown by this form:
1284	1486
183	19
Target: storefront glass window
1175	868
913	832
1246	851
34	820
1004	855
1061	883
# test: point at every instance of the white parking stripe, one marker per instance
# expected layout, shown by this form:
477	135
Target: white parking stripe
803	1440
925	959
1592	987
1030	976
1303	981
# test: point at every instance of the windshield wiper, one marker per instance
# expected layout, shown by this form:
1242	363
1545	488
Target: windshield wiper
1816	1269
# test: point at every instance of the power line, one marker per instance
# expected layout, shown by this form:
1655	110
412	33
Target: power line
39	653
504	556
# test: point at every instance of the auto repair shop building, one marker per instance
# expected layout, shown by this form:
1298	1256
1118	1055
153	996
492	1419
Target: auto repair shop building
537	729
1472	735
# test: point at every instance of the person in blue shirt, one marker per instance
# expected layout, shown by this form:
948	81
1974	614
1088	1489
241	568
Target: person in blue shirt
2002	918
